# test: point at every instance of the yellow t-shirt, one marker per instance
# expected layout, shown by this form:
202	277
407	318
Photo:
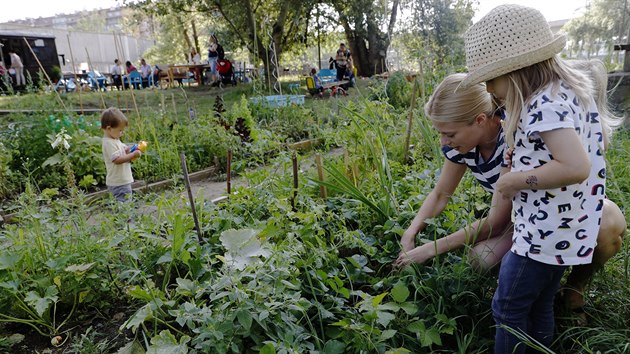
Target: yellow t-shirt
117	174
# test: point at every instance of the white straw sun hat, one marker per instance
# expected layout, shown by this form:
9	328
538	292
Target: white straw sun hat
508	38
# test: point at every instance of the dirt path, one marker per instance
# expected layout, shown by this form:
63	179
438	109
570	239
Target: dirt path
209	189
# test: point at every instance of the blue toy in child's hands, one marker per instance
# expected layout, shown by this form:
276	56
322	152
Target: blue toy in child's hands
142	146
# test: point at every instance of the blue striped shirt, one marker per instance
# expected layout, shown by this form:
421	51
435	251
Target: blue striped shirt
486	172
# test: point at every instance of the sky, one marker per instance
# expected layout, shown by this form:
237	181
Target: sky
20	9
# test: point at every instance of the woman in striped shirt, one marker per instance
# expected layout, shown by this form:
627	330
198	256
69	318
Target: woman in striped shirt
471	135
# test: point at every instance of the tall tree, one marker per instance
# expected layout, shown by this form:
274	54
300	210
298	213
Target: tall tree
368	26
603	24
434	29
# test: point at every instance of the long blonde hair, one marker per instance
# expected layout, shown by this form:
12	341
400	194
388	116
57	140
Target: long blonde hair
447	105
596	71
583	78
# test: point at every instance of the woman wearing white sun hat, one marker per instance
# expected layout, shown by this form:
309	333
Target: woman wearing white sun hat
558	171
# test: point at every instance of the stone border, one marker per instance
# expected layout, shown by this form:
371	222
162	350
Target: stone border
137	186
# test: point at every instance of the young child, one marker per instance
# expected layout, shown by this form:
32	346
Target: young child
116	155
558	173
317	82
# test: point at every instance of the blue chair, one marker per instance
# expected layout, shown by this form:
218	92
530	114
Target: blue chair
327	75
96	81
67	85
134	78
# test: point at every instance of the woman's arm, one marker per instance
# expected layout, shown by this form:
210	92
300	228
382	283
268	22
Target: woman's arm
493	225
435	202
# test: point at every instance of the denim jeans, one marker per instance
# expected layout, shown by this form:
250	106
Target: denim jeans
523	301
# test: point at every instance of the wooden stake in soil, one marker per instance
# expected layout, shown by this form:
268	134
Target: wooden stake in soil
98	87
229	172
295	180
410	120
45	73
182	157
320	174
174	106
74	71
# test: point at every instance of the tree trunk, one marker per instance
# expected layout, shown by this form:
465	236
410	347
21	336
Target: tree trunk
368	43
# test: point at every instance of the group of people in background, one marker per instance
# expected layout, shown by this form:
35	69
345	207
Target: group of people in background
149	74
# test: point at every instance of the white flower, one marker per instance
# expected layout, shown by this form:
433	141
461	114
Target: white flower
61	139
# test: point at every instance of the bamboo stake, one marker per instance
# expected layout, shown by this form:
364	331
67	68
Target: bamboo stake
295	180
229	172
46	74
174	106
320	174
74	70
410	120
97	85
182	157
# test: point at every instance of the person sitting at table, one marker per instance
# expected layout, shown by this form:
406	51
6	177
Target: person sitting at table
319	89
130	68
116	74
147	73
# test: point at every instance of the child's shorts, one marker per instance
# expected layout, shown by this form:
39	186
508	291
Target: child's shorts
121	193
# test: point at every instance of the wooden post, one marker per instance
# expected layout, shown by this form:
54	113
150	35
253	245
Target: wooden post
229	171
45	73
323	193
97	85
78	83
182	157
410	120
295	179
174	107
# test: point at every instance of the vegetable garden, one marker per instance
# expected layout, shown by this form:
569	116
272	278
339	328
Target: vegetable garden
277	269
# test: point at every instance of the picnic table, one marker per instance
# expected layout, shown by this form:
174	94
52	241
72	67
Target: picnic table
180	71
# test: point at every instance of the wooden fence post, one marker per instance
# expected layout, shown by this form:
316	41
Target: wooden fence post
182	157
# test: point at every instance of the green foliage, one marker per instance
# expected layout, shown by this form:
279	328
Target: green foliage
49	268
398	90
316	277
8	179
603	24
433	31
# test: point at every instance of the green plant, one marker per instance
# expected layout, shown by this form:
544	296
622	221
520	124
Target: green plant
49	268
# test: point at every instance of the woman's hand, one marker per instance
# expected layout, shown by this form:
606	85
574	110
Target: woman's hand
506	185
417	255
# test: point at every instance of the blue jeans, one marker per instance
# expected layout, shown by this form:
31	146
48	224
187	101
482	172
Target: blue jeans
523	301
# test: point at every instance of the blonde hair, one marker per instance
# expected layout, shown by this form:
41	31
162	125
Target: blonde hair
596	71
524	83
113	117
461	106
